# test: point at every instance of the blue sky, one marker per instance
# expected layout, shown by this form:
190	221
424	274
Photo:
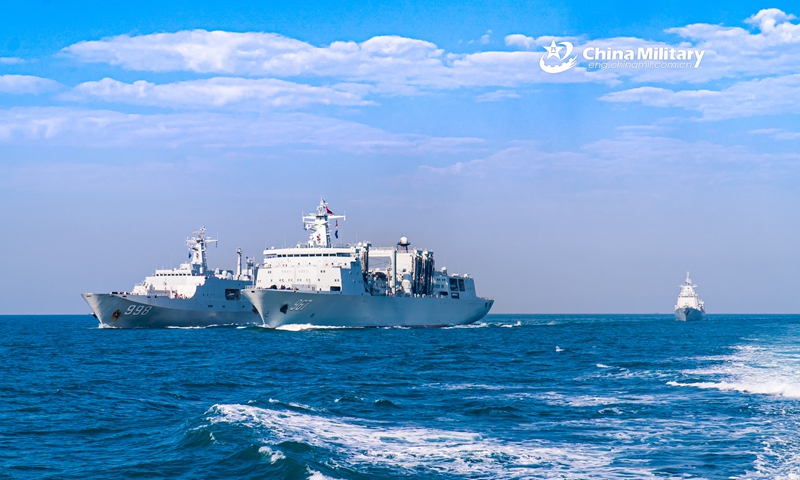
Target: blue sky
125	127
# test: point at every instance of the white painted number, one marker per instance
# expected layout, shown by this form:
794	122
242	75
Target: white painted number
138	310
300	304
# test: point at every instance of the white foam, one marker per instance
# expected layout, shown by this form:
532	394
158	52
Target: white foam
467	386
600	365
558	349
298	327
415	448
511	325
314	475
750	369
274	455
470	325
557	399
763	387
339	399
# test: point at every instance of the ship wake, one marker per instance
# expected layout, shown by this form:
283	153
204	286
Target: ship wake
368	447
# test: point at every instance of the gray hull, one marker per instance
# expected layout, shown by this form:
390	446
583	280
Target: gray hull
143	311
284	307
687	313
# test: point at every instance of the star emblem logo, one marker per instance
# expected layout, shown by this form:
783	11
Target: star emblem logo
554	50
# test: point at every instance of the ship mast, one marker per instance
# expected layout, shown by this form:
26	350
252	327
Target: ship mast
320	235
197	250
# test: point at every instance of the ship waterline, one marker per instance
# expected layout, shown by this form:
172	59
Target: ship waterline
283	307
135	311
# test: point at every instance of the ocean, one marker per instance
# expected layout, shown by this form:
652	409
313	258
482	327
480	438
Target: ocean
513	396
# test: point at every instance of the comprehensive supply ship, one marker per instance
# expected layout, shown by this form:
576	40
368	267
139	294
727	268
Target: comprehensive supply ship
358	285
689	305
188	296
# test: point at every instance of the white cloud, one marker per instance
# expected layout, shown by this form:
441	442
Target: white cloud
766	96
497	95
11	60
103	128
220	92
731	52
629	161
777	133
26	84
485	38
531	43
519	40
393	64
734	51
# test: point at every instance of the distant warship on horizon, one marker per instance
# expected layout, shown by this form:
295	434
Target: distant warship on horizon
689	305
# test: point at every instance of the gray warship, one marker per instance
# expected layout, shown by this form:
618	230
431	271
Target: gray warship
318	284
188	296
689	306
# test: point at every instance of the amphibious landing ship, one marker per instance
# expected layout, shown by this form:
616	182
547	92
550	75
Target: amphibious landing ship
188	296
689	305
359	285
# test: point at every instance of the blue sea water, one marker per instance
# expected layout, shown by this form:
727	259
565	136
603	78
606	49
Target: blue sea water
514	396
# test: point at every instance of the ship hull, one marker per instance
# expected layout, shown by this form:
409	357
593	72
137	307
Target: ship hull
285	307
143	311
688	314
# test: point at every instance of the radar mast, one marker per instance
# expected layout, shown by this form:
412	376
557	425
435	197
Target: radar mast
320	235
197	251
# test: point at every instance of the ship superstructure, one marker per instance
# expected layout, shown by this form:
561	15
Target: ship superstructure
689	306
188	296
359	285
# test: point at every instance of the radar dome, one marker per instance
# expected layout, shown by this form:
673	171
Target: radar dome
404	240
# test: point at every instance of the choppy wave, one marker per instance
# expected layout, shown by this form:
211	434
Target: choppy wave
273	455
417	449
511	325
629	397
314	475
750	369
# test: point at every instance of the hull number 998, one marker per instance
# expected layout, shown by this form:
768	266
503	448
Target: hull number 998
138	310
